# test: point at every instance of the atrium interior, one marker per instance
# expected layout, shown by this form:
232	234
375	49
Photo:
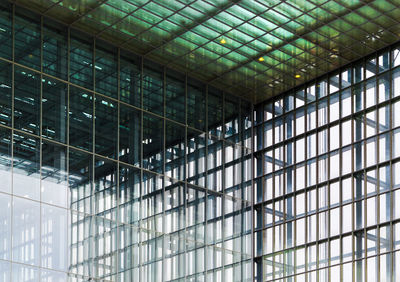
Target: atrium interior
199	140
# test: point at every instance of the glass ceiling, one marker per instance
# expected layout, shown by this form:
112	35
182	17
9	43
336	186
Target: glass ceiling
252	48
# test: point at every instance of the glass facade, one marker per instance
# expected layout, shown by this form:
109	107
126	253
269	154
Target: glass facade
114	168
327	185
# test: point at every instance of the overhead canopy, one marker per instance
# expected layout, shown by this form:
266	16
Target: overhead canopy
252	48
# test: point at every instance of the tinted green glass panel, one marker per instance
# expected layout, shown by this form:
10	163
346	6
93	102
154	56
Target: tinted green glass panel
214	112
105	190
129	135
80	180
55	105
129	187
152	142
5	31
27	100
106	68
27	42
175	98
196	105
175	151
5	93
26	166
55	48
54	174
5	161
153	98
106	127
80	118
130	79
81	63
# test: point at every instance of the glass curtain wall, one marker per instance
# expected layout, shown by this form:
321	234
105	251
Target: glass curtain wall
327	197
113	168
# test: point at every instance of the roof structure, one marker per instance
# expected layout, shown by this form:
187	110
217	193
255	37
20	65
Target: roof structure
252	48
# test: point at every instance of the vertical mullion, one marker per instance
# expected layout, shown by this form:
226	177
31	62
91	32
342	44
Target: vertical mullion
223	197
12	130
140	264
40	136
117	228
206	249
163	153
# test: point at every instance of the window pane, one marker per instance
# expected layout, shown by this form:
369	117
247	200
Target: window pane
153	92
175	98
26	166
54	174
196	106
80	180
105	184
5	234
81	63
106	127
6	34
80	118
130	82
5	93
27	42
129	135
153	131
54	241
214	112
5	160
55	50
26	232
54	112
106	68
175	151
27	100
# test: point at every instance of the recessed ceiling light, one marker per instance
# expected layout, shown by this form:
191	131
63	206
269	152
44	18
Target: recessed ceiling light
222	41
261	59
297	76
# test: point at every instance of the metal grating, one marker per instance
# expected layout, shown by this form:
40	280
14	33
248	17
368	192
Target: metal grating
252	48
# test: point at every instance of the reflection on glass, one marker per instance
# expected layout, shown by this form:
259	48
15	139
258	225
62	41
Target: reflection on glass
80	118
175	151
106	73
6	27
24	273
54	174
152	142
26	166
5	271
175	98
5	160
26	232
80	180
153	93
106	126
5	234
27	100
196	106
27	42
54	109
5	93
129	135
81	62
55	48
130	82
54	243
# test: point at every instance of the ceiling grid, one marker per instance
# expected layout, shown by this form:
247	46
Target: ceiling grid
252	48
